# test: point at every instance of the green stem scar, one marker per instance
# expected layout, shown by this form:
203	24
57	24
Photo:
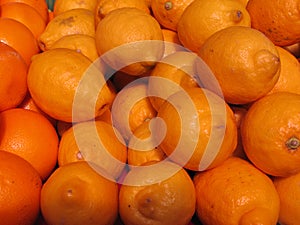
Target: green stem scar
168	5
293	143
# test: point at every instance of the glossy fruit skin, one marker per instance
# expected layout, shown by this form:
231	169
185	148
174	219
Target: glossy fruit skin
236	192
13	75
20	190
274	149
30	135
79	194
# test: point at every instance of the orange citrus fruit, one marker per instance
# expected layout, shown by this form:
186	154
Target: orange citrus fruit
18	36
278	20
82	43
289	194
20	190
202	18
53	82
103	7
13	76
24	14
172	43
171	74
270	134
29	104
97	142
251	62
168	13
77	194
128	35
236	192
74	21
131	108
153	196
142	147
198	129
39	5
61	6
31	136
289	76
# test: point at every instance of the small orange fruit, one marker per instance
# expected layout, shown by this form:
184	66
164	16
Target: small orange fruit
82	43
103	7
78	194
158	195
278	20
65	85
39	5
171	74
168	13
74	21
131	40
289	194
245	55
270	134
289	76
202	18
236	192
172	43
13	76
142	146
18	36
25	14
199	130
131	108
20	190
61	6
94	141
31	136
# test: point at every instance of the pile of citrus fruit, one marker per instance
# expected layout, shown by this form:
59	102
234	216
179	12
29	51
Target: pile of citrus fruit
149	112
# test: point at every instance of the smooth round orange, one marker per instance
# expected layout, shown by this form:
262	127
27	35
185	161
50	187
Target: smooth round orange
73	21
61	6
278	20
171	74
202	18
199	130
130	40
131	108
147	197
19	37
236	192
270	134
24	14
20	190
54	81
289	194
168	13
13	76
39	5
82	43
244	55
96	142
172	43
142	146
103	7
31	136
78	194
289	76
